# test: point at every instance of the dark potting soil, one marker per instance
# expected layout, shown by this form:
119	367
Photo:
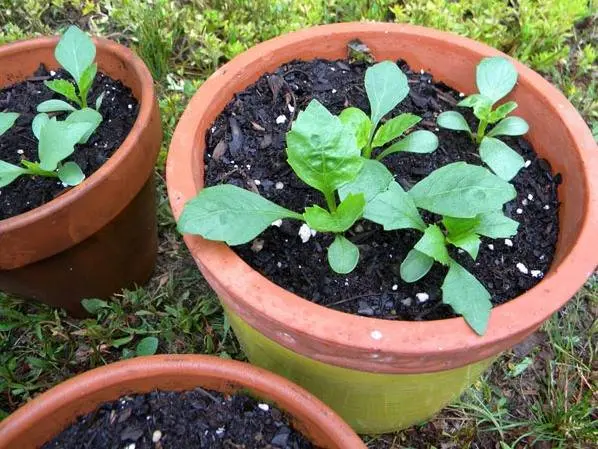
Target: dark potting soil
119	110
246	147
197	419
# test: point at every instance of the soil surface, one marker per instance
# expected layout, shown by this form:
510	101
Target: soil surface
119	110
196	419
246	147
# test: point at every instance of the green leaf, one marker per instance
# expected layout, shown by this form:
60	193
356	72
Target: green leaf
511	126
357	120
415	266
453	120
502	111
7	120
86	115
496	225
99	101
54	106
321	150
93	306
57	142
461	190
9	172
433	244
343	255
147	346
417	142
86	82
347	213
372	179
503	160
394	209
39	121
467	242
495	77
231	214
473	100
394	128
71	174
467	296
386	87
75	52
122	341
63	87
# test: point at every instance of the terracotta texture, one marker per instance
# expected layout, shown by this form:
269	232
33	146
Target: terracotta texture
101	235
557	132
46	416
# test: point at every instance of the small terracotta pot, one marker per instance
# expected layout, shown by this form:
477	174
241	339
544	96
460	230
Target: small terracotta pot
100	236
375	359
47	415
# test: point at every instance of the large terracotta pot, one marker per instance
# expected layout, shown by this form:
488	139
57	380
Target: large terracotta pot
100	236
47	415
384	375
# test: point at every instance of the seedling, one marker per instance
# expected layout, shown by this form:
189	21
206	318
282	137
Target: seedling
495	78
386	86
56	142
7	120
75	52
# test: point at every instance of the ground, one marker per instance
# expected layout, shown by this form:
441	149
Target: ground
541	394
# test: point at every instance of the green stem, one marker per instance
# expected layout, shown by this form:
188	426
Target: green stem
34	169
481	130
330	201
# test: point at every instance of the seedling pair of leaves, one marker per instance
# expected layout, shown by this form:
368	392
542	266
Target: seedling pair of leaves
495	78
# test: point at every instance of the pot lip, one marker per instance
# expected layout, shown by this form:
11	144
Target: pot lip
257	299
274	387
146	105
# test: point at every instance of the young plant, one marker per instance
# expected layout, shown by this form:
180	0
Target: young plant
75	52
386	86
495	78
57	141
7	120
324	154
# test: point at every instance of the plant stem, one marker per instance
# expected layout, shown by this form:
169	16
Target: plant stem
330	201
481	130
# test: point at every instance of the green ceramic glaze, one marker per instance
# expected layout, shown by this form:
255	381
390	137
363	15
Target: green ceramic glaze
371	403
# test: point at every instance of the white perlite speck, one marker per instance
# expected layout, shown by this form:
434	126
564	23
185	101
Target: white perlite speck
421	71
130	446
20	152
279	264
525	202
52	73
546	207
291	108
257	182
279	185
530	196
333	91
305	232
220	430
461	94
527	164
519	211
395	287
522	268
536	273
422	297
281	119
156	436
491	246
264	407
277	223
406	302
508	242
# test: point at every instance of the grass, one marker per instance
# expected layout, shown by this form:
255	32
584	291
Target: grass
540	394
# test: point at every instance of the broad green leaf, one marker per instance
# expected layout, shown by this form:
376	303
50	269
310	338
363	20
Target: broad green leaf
231	214
394	128
496	225
357	120
467	242
343	255
467	296
122	341
373	178
510	126
386	87
86	82
99	101
503	160
71	174
321	150
433	244
147	346
7	120
421	141
75	52
453	120
415	266
57	142
63	87
348	212
94	305
495	77
394	209
54	106
461	190
502	111
86	115
9	172
474	99
39	121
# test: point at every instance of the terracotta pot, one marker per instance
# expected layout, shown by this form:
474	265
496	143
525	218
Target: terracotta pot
46	416
382	375
100	236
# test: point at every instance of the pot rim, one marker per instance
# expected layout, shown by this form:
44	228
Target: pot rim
75	392
132	140
288	319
